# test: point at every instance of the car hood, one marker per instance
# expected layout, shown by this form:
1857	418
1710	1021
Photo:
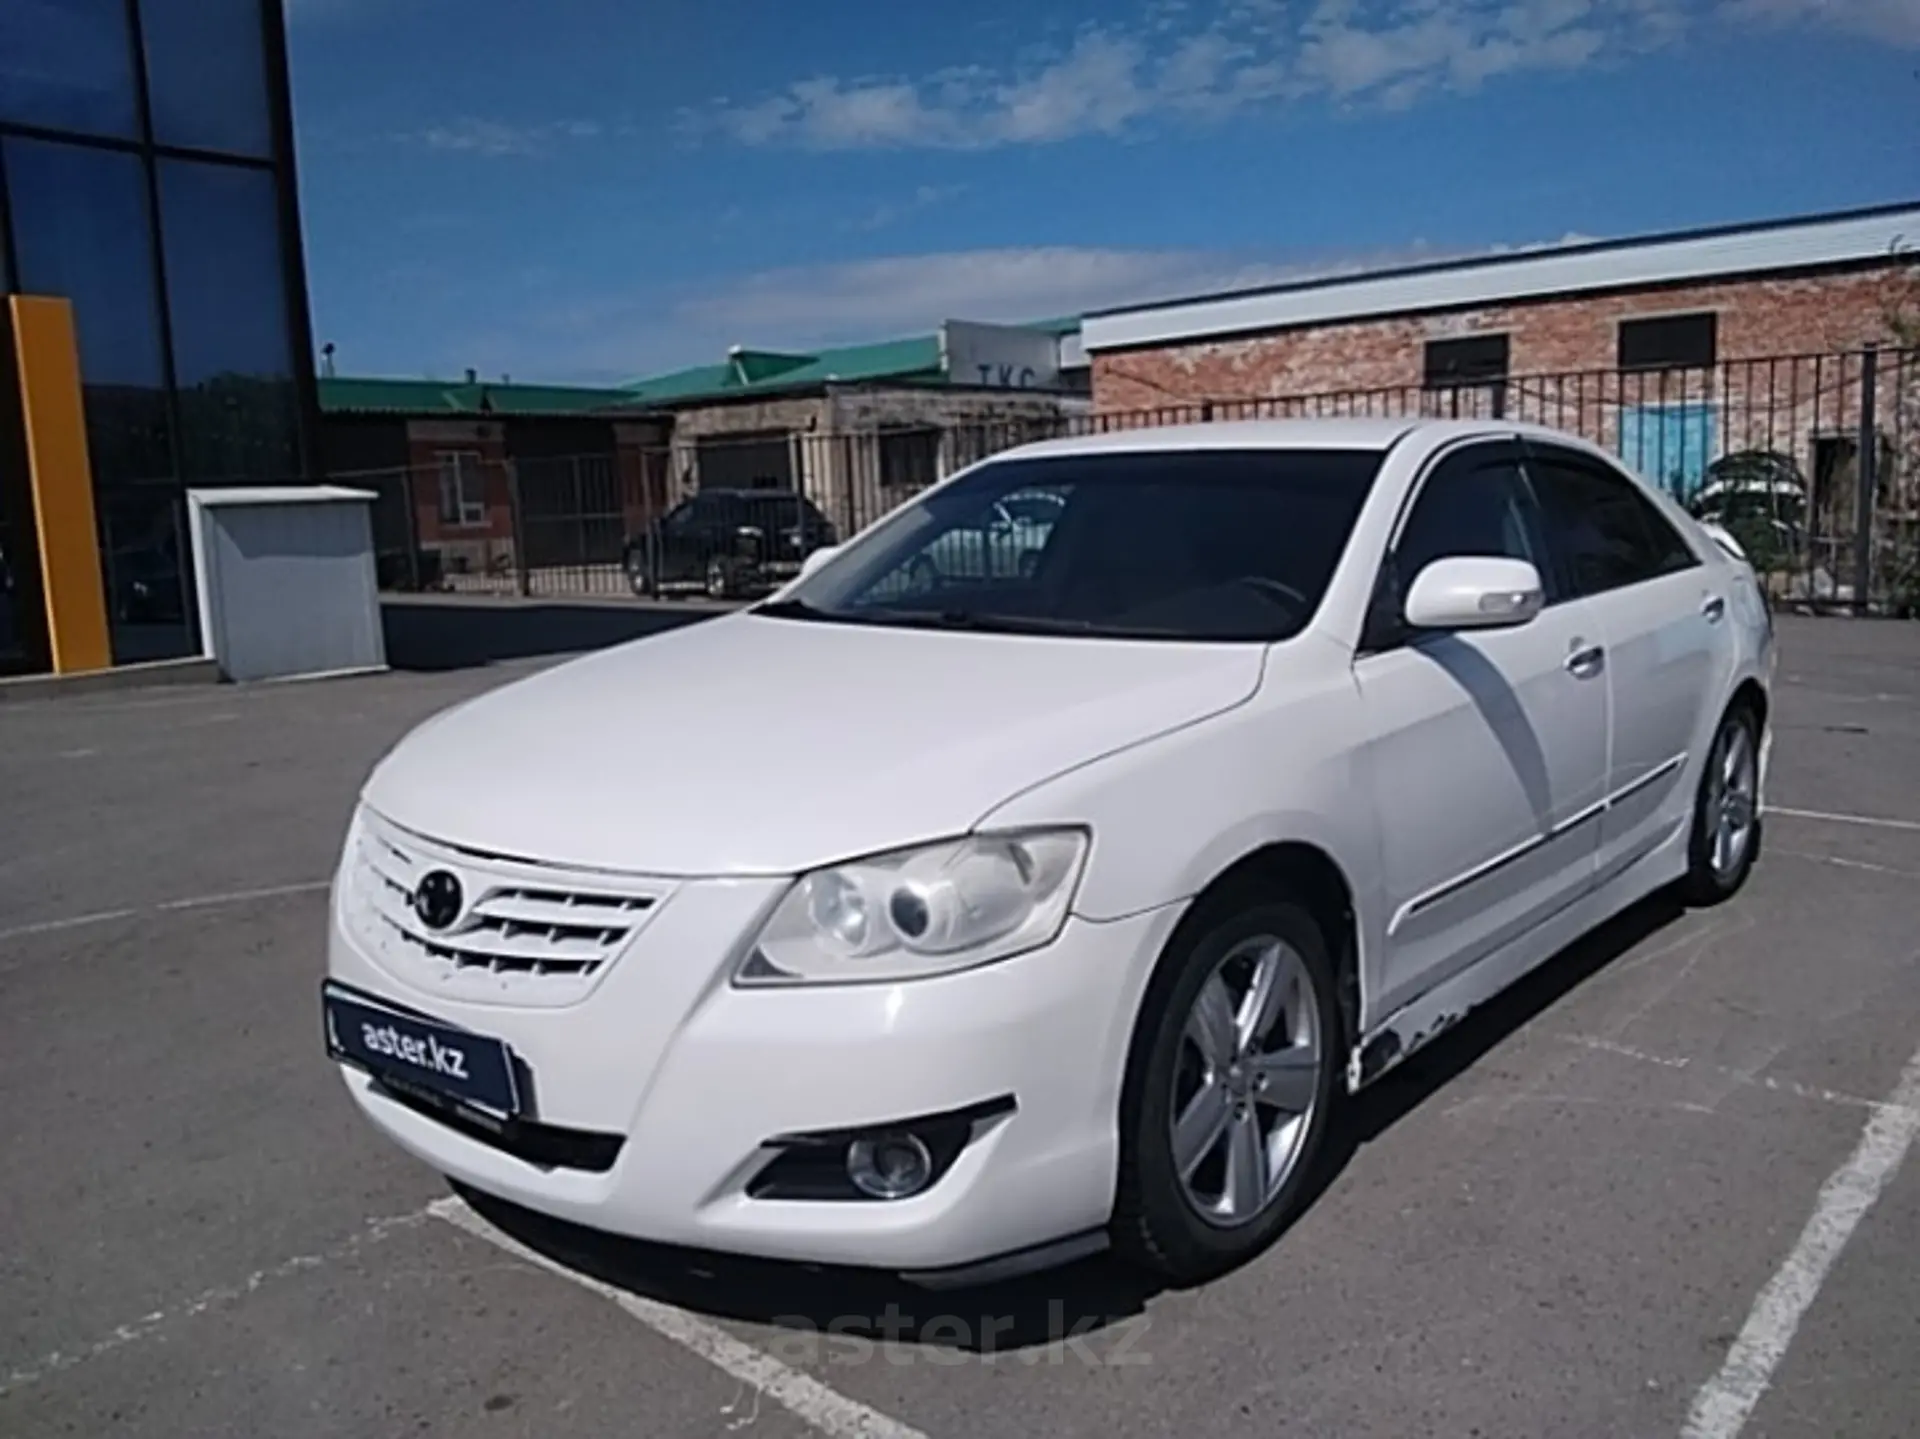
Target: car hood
752	745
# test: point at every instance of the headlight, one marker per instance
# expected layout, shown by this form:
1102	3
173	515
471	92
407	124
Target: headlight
923	911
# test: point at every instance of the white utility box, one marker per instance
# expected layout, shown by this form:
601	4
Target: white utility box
286	581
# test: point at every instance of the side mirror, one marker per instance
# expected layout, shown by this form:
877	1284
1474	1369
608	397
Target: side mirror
816	559
1474	592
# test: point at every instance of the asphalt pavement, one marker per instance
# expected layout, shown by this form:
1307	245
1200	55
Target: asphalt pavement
1660	1189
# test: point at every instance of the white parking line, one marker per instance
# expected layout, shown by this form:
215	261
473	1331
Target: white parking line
168	906
72	921
1840	862
801	1395
1738	1076
241	896
1721	1408
1871	821
374	1232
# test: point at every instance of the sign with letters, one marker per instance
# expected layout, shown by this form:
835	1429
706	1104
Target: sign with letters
1000	357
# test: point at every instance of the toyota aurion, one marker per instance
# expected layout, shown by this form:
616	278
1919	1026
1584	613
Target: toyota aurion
962	923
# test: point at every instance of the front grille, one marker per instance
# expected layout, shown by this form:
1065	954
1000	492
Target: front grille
527	934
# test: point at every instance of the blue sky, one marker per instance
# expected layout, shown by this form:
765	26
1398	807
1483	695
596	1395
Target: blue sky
592	189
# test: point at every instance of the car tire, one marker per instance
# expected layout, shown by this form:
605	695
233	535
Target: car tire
640	575
1170	1223
1725	837
722	582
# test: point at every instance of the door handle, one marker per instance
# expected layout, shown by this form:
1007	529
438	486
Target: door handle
1585	664
1713	607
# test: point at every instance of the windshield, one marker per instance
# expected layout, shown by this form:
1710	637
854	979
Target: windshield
1188	545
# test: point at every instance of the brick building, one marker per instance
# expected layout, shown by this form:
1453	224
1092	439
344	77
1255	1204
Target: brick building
450	458
1672	349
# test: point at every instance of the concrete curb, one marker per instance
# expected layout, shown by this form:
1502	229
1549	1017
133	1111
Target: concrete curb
153	675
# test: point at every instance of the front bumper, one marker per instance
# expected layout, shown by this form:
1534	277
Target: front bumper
696	1076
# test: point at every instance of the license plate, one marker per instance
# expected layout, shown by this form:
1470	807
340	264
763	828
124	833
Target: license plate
471	1070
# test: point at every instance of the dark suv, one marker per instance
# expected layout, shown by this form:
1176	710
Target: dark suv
727	543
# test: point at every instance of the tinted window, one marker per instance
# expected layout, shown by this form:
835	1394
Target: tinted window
1669	342
140	529
711	511
232	352
206	74
68	65
1214	544
81	230
1032	509
775	509
16	604
1607	531
1471	359
1474	503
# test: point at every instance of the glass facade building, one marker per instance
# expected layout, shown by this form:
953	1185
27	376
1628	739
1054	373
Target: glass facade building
146	176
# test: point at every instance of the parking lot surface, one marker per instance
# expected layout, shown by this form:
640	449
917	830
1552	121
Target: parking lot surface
1657	1190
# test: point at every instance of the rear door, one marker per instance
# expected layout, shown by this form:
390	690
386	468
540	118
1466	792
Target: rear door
1661	617
1487	748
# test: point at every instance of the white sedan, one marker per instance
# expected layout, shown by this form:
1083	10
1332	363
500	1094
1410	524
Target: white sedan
966	931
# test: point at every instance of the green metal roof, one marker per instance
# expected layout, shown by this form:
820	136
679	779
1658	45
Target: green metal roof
342	395
763	372
1059	325
915	360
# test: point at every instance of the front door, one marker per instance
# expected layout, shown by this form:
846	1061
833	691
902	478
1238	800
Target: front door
1486	749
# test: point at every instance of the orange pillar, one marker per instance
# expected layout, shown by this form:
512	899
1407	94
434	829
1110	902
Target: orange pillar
47	363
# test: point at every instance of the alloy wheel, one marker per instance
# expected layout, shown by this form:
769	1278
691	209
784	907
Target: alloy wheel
1731	800
1246	1081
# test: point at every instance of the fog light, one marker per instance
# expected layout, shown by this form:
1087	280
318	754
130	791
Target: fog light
890	1166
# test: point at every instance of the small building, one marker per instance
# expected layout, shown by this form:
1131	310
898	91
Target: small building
1673	349
861	428
150	254
481	479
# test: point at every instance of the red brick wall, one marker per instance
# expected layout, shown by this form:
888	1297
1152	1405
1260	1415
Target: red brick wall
427	440
1758	319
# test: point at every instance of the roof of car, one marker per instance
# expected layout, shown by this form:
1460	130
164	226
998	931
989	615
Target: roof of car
1315	434
1362	434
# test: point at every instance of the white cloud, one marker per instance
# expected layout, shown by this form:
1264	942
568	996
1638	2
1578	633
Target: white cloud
471	135
1896	22
892	212
810	306
1248	53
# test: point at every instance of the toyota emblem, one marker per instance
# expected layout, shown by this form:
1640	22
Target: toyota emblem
438	898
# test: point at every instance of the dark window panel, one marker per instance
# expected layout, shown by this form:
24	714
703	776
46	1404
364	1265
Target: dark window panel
207	75
909	459
1670	342
1609	534
227	300
68	65
1470	360
147	585
1474	504
82	232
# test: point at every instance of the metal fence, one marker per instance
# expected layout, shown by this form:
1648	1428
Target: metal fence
552	525
1813	461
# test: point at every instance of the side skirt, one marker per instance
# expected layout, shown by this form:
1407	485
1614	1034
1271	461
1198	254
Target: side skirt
1424	1019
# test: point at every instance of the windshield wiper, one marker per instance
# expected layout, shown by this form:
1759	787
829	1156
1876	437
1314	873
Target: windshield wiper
791	610
989	623
971	621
